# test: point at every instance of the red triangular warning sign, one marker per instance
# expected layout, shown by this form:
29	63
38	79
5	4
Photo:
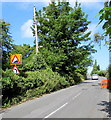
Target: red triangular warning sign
15	70
15	60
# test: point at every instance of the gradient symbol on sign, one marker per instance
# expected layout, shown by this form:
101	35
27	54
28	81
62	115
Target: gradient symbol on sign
15	70
15	60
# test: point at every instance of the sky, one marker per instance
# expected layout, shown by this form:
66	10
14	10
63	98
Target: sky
19	13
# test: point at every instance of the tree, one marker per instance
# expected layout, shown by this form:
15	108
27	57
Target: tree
96	68
25	50
105	15
61	29
98	38
5	42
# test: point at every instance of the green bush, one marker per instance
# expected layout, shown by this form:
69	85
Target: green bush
10	87
78	77
109	76
17	88
9	80
102	73
36	63
109	72
47	80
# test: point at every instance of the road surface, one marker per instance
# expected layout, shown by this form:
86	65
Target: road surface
86	100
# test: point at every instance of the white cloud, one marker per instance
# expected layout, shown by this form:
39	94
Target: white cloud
26	30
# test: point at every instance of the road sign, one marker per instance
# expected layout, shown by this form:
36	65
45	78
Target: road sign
15	59
15	70
105	83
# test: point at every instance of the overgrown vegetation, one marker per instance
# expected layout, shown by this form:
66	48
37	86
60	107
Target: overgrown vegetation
35	83
105	15
109	76
96	70
61	62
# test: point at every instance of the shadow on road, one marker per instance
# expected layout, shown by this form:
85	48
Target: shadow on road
86	82
95	85
107	107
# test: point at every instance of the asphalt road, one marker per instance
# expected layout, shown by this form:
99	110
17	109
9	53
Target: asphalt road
86	100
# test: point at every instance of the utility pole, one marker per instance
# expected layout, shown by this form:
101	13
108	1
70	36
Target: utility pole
36	36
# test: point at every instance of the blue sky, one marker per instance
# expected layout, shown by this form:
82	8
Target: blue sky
20	16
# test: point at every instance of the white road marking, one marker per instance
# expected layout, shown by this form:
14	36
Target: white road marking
61	107
76	95
56	110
